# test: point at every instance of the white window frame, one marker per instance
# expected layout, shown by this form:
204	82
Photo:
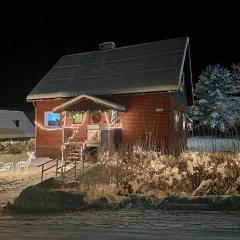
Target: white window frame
184	121
73	120
115	118
46	120
176	120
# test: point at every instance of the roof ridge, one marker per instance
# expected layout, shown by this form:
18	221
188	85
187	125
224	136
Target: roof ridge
153	68
123	47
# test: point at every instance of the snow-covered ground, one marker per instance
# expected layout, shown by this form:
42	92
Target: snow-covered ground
12	183
210	144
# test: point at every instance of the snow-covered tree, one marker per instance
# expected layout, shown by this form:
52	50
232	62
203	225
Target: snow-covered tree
236	78
236	92
215	106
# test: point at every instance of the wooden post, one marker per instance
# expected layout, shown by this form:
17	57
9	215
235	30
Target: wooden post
42	173
82	155
56	167
83	161
117	172
75	169
63	141
62	162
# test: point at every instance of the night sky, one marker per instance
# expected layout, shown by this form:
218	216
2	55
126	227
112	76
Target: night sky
35	34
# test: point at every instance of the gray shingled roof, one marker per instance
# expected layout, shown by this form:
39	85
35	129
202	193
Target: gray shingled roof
8	128
148	67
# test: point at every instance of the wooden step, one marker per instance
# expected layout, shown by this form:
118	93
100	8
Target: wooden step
74	150
74	154
72	158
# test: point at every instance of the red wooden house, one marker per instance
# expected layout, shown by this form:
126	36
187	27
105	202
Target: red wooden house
128	95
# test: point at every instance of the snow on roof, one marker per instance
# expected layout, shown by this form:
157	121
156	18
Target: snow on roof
148	67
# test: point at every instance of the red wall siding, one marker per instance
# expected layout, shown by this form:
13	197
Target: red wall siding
141	124
48	141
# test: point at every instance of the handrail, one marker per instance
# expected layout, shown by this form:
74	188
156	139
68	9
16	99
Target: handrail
43	164
49	168
79	143
74	167
82	157
46	162
64	165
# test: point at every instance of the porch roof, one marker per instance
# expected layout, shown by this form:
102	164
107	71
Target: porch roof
86	102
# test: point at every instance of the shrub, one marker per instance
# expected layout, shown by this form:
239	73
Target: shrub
190	173
15	147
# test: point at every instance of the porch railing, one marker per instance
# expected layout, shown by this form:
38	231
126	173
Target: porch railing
61	166
43	166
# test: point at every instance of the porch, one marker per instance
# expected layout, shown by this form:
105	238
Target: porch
88	124
97	117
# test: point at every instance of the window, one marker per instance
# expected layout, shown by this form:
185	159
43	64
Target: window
16	122
184	121
52	119
114	118
96	116
176	119
78	118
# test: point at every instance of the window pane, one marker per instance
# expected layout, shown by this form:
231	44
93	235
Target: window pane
16	122
176	118
78	118
115	118
184	121
53	120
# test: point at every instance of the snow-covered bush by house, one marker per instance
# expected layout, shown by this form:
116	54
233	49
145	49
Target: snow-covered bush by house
15	147
191	173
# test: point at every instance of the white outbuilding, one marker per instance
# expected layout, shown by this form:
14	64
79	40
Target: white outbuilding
15	125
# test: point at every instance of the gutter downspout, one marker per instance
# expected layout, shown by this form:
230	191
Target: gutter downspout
35	115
